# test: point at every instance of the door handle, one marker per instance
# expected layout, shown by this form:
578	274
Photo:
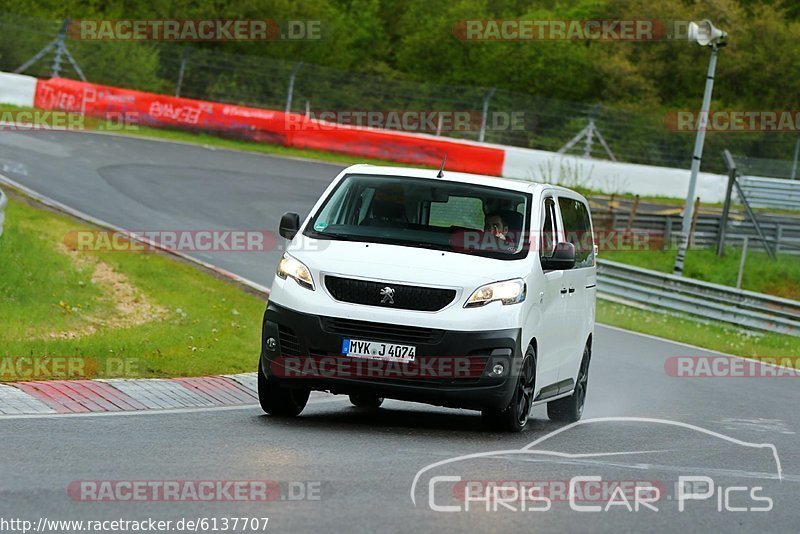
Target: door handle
571	290
563	290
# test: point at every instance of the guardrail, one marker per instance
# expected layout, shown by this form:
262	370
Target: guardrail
661	291
782	231
3	203
771	192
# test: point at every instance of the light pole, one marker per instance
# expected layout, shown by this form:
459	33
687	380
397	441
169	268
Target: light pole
705	34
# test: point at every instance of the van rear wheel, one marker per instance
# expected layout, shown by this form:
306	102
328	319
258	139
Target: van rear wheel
515	416
279	401
570	409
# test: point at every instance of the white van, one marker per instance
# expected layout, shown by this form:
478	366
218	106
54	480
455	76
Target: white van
445	288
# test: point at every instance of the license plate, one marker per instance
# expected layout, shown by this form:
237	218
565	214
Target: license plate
378	350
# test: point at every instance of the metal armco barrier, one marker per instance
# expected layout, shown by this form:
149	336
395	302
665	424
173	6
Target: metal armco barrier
661	291
783	231
771	192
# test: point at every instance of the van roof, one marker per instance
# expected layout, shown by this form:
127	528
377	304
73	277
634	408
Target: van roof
451	176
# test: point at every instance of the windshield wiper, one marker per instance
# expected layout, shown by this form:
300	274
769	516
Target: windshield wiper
381	239
336	235
417	244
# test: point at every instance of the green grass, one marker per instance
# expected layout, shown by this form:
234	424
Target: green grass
780	277
714	336
205	325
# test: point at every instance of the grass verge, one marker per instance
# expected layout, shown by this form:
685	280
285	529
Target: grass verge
707	335
130	314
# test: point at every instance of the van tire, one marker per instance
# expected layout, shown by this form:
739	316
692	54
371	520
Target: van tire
365	400
570	409
515	416
279	401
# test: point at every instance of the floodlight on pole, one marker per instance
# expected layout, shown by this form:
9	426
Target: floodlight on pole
705	34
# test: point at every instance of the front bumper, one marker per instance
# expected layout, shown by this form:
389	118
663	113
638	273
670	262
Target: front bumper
452	368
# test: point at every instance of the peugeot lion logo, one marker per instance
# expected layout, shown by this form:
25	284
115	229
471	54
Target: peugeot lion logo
387	295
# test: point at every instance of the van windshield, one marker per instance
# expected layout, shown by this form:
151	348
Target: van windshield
425	213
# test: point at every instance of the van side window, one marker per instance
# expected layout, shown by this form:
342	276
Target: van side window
549	233
578	230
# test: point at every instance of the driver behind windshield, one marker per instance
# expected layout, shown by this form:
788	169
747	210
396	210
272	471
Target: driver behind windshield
496	225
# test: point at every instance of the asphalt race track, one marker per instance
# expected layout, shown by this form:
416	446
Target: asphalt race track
144	185
360	466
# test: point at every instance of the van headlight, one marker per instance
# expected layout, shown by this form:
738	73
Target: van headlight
289	267
507	292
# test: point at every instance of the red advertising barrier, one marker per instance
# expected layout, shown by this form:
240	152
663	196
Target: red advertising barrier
151	109
403	147
263	125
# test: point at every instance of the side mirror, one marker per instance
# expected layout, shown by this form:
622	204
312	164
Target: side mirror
563	258
290	224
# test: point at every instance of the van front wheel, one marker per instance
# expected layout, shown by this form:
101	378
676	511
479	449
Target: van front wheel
279	401
515	416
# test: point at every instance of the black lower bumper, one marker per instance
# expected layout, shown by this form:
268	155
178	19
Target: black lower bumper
450	368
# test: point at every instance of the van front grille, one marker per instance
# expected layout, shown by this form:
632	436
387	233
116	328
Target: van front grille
389	295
